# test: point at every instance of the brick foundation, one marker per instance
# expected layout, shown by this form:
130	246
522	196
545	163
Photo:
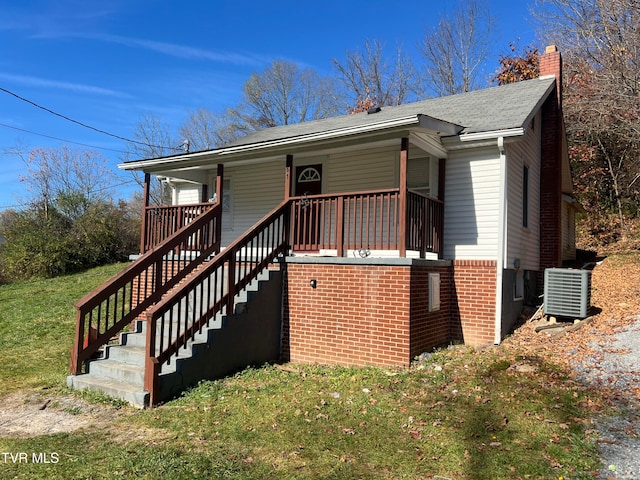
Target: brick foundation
377	313
362	314
473	301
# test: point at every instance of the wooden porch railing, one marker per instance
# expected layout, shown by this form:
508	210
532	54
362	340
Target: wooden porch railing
173	322
159	223
107	310
366	220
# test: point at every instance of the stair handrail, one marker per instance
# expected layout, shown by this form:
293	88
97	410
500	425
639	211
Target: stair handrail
269	238
123	296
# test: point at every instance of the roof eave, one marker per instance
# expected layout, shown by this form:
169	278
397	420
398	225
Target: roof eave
225	153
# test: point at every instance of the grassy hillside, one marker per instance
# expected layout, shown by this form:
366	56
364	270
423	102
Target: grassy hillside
457	413
37	324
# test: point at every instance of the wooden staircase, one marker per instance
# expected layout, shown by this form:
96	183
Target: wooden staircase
192	311
120	371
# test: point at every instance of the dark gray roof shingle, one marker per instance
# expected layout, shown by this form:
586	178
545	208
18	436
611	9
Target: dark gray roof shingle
495	108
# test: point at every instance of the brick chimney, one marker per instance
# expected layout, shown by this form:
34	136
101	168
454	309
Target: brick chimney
552	136
551	65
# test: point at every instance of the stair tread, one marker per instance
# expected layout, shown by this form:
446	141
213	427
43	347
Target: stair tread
109	362
103	381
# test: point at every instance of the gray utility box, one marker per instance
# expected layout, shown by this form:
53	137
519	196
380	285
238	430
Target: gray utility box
567	292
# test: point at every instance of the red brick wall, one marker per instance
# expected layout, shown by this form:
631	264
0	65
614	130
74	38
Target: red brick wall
473	301
429	329
360	314
551	166
551	64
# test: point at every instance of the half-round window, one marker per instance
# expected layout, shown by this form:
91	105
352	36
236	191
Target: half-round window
309	174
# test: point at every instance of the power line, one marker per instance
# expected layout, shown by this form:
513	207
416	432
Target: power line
60	139
84	124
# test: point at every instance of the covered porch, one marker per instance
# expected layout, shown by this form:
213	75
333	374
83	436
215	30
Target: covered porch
384	222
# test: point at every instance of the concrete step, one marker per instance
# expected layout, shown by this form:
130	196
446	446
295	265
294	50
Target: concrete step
120	371
140	339
133	354
132	394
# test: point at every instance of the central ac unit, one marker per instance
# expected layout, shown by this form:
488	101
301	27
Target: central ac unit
567	292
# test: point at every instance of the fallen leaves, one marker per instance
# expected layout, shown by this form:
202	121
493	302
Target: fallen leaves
615	288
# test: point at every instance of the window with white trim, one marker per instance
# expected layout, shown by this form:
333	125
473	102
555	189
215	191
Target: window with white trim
309	174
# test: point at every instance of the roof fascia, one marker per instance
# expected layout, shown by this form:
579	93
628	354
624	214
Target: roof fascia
284	144
481	139
439	126
541	100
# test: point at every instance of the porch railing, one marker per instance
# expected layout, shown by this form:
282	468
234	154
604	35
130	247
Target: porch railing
107	310
174	321
159	223
425	222
366	220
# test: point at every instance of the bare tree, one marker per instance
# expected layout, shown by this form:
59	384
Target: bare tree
600	40
457	48
204	129
284	94
67	179
367	76
153	140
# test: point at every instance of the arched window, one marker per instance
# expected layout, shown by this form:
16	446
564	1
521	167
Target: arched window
309	174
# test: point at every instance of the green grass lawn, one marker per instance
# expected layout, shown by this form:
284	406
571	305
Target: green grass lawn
457	414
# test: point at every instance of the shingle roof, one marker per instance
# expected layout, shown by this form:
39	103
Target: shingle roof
495	108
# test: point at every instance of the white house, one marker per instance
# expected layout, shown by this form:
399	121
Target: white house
401	228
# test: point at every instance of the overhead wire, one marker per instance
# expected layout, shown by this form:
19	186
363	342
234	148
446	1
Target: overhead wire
60	139
104	132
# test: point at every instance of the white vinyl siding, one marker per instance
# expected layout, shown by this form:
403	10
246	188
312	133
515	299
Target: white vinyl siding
418	175
523	243
187	193
471	205
255	191
361	170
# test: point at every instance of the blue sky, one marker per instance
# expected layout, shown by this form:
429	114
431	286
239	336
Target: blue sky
109	63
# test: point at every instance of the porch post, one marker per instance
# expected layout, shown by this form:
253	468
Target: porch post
404	156
441	172
219	194
145	206
440	223
288	177
287	195
219	183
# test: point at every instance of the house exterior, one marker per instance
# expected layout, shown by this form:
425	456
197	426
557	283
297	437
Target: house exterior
403	228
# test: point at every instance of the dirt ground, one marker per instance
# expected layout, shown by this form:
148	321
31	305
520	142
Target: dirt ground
34	414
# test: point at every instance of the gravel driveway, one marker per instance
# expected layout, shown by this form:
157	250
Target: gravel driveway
617	368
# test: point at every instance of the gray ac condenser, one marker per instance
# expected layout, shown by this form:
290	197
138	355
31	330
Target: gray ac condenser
567	292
